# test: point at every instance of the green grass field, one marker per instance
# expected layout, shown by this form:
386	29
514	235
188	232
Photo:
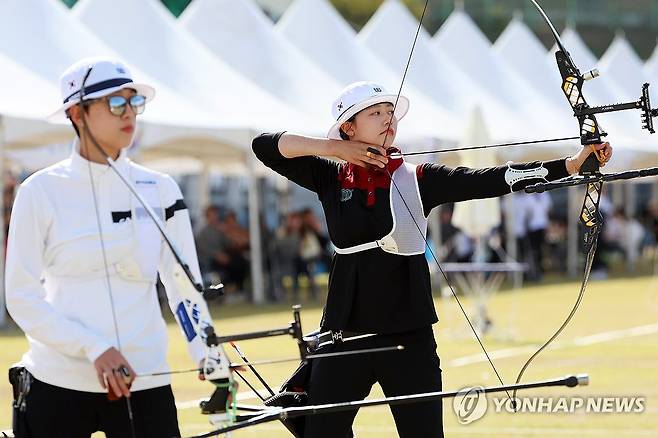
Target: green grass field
620	362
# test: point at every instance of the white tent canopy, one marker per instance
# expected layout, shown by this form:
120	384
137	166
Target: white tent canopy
278	67
623	65
389	34
22	97
651	69
460	39
520	50
318	30
47	51
183	64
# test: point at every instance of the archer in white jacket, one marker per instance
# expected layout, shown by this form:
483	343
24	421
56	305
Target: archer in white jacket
56	283
82	263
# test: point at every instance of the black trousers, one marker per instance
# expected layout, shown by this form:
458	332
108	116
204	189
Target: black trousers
54	412
413	370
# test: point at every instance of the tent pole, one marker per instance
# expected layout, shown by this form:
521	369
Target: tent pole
572	231
257	278
203	189
3	310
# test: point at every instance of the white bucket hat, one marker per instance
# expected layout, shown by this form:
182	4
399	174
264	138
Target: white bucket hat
107	76
359	96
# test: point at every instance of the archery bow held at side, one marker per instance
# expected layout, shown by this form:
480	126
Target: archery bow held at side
602	151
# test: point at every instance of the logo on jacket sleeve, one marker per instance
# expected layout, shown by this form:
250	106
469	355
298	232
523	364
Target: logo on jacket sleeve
345	195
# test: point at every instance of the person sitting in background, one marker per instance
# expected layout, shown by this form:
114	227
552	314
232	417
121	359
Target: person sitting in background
311	223
211	242
538	205
220	244
237	245
285	254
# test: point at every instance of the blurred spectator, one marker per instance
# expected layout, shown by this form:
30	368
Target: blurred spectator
299	247
457	246
613	232
221	246
311	224
520	227
312	246
8	194
284	250
556	238
538	207
625	236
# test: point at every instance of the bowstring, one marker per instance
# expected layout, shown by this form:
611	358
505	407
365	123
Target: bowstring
388	172
87	131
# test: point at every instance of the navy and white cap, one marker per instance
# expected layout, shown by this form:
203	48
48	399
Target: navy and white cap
107	76
359	96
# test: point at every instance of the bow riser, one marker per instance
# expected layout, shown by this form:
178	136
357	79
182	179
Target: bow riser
194	310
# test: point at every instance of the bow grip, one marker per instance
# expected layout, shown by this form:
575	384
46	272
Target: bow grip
591	165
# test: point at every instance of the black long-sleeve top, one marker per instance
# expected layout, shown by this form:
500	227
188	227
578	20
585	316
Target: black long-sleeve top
374	291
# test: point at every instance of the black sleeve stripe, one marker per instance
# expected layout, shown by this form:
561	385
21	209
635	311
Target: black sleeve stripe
118	216
171	210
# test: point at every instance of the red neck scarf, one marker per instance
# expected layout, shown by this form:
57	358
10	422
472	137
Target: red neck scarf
352	176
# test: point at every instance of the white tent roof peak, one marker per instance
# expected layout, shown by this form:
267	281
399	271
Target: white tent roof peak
280	68
460	25
393	12
23	109
135	28
44	38
25	24
621	51
307	12
321	33
520	49
651	66
461	40
622	64
390	33
518	42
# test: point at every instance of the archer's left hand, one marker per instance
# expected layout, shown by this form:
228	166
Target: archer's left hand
603	152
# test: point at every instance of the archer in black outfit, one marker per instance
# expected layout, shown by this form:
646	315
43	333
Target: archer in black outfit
374	291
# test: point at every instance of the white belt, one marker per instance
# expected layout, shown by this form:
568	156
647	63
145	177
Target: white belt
387	244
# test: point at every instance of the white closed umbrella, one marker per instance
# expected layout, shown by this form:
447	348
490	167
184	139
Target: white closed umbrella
477	218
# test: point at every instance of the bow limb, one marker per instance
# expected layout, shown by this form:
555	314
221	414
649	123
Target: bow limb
590	133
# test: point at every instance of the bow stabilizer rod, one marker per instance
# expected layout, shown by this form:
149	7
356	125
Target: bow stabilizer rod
282	414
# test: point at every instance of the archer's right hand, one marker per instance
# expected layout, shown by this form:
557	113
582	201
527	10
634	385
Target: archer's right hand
357	153
110	370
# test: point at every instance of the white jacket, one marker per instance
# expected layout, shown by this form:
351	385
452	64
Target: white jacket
56	284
